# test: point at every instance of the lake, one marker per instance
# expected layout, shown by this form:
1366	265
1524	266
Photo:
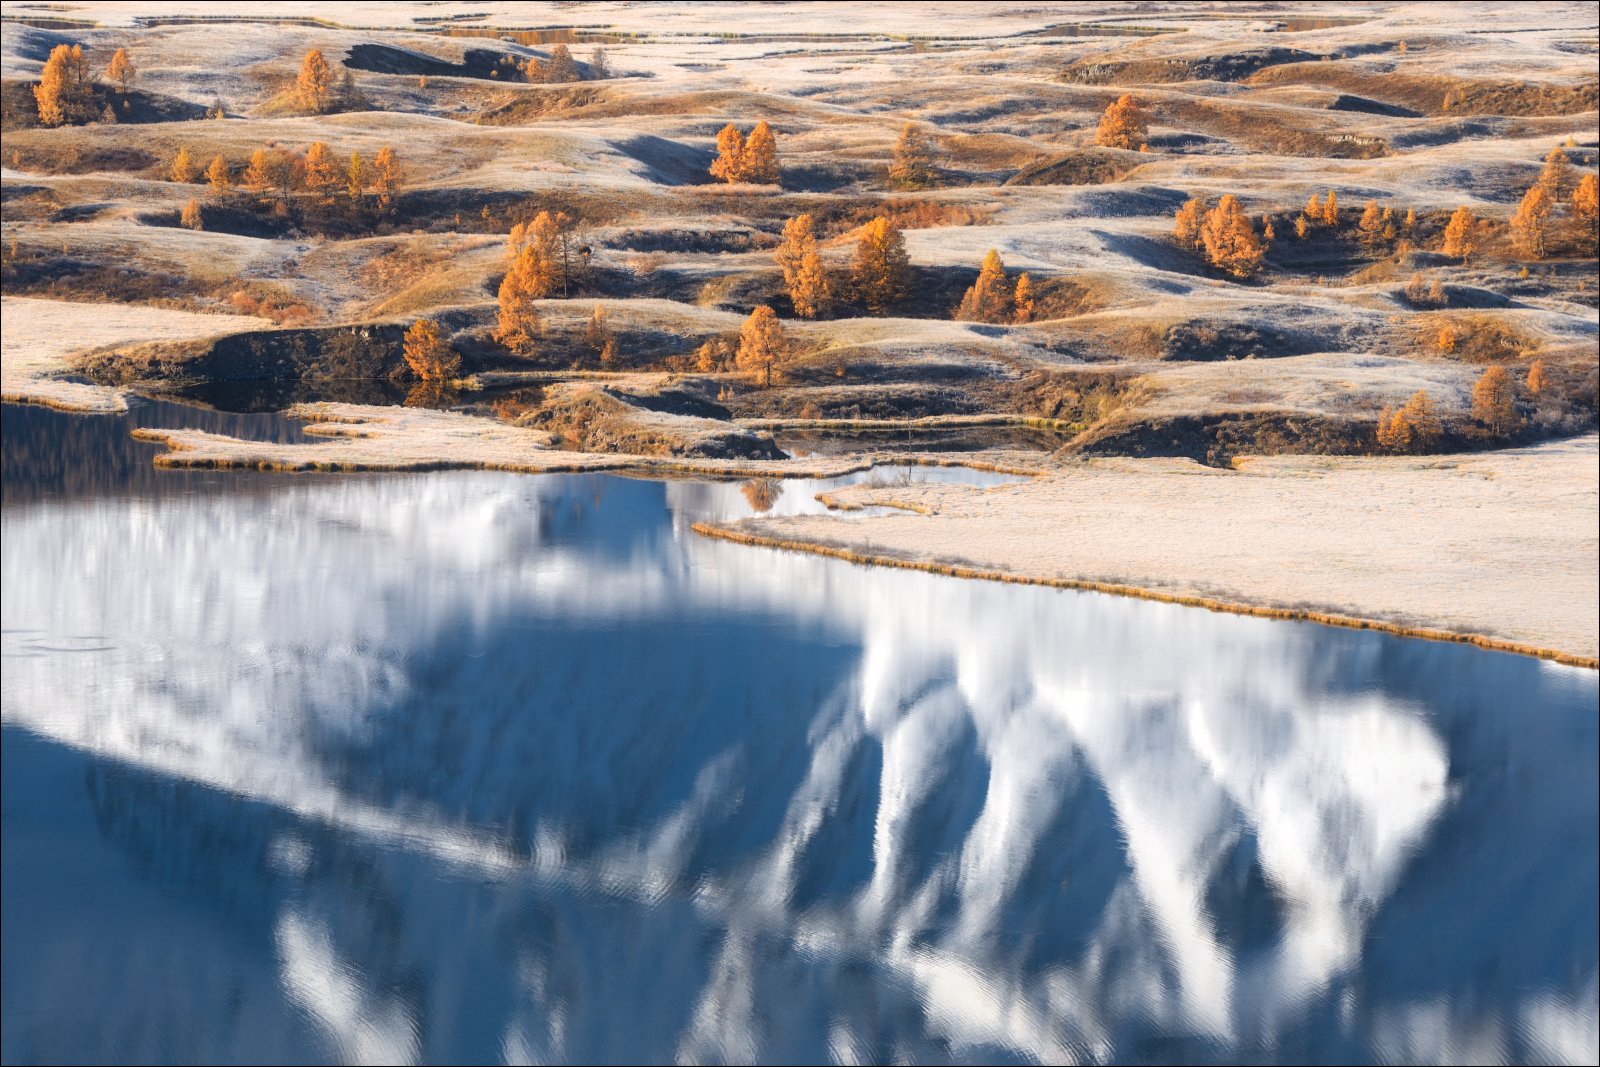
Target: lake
483	767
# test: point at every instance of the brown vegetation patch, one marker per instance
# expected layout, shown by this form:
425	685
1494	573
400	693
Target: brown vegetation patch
1083	166
67	152
1263	129
1436	94
589	418
1155	70
1471	338
62	276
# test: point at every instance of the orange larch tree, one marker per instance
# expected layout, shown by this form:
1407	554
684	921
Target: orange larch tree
1530	225
881	269
313	86
912	166
218	175
802	268
1123	125
763	347
1229	239
387	177
1537	381
991	297
258	174
519	326
355	177
1557	173
1187	222
428	353
183	166
121	70
1494	401
322	174
759	162
729	165
1586	201
1461	234
1413	427
1371	224
1024	298
65	93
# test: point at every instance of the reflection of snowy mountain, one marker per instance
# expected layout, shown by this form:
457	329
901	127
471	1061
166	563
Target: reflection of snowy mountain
477	763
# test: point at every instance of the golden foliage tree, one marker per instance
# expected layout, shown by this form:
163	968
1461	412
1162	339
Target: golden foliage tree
1302	227
991	297
759	162
1024	298
728	166
713	355
1557	173
519	326
912	164
1461	234
1313	210
881	269
218	176
1537	381
284	170
387	177
1447	338
1187	221
355	177
258	174
1123	125
1330	209
183	168
313	86
1412	427
537	249
1530	224
1229	239
190	217
1494	401
559	68
428	353
763	348
1586	201
322	174
1371	224
803	275
121	70
65	93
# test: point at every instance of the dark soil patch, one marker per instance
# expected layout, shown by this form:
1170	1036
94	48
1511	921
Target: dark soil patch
20	111
1217	439
475	63
1232	66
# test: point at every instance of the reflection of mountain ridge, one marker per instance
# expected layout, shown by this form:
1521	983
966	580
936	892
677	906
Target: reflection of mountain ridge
53	455
521	723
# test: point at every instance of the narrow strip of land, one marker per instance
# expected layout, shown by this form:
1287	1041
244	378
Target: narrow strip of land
1495	549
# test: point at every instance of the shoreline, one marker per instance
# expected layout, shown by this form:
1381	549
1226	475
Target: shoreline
723	532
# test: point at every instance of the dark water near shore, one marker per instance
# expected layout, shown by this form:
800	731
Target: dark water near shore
491	768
